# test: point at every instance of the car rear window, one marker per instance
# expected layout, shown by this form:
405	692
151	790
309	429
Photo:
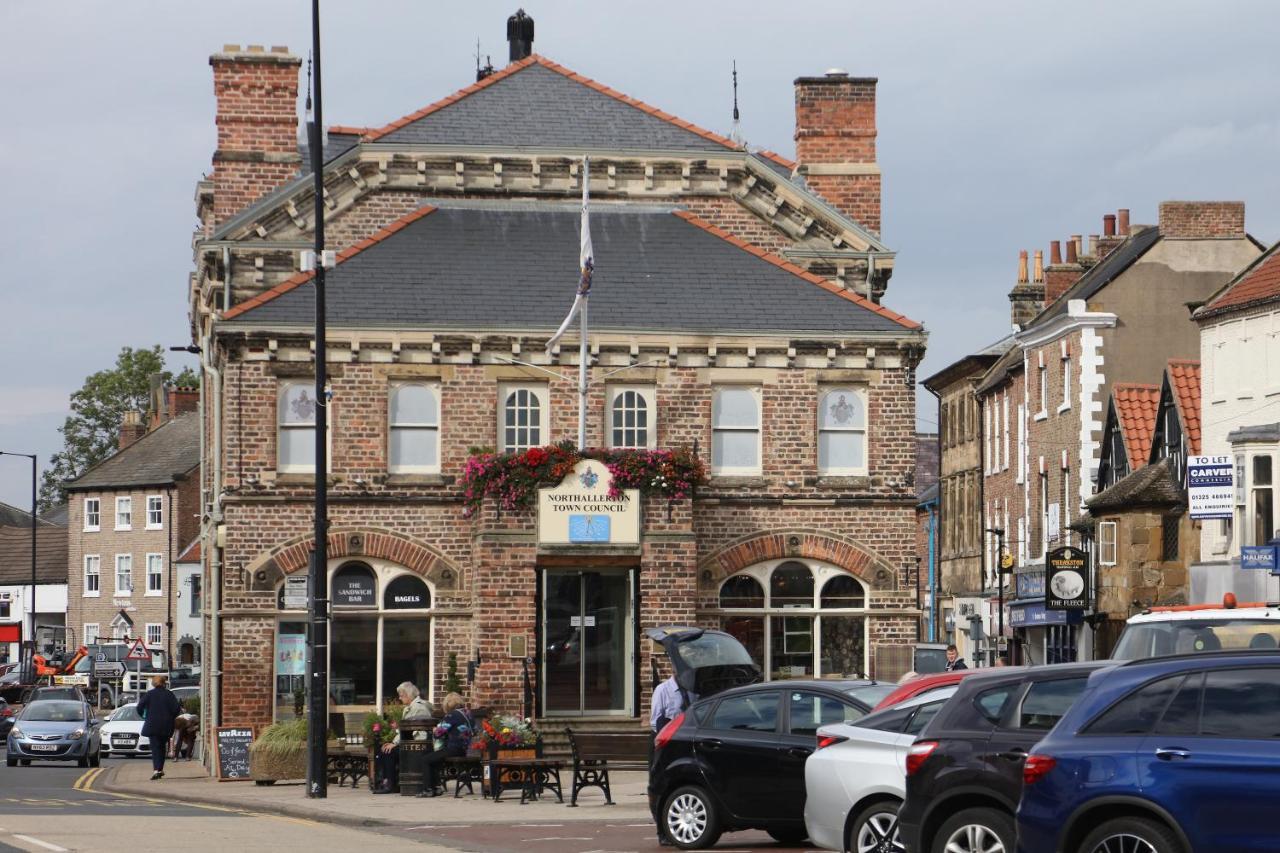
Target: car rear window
871	694
808	711
889	720
1241	703
753	712
1046	701
923	716
990	703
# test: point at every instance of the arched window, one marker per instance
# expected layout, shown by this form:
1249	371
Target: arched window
741	591
630	424
414	418
798	632
843	591
842	432
791	585
407	592
354	585
522	418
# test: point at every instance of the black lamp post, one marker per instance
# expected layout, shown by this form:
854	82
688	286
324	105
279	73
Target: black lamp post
32	636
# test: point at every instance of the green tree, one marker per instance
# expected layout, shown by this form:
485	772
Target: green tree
92	432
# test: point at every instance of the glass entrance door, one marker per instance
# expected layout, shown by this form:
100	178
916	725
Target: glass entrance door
587	642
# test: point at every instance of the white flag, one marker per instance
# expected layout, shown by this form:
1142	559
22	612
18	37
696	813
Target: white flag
586	258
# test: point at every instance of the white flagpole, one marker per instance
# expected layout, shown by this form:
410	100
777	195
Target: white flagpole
585	294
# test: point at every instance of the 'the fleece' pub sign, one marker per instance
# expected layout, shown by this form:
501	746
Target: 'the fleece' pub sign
1067	580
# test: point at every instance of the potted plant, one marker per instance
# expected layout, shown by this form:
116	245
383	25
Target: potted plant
381	729
506	736
280	752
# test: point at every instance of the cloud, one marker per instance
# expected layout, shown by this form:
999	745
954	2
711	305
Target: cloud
20	404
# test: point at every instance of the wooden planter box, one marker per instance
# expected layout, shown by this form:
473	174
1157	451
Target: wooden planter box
507	752
270	767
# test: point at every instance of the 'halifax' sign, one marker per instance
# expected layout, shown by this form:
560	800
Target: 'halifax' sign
1258	557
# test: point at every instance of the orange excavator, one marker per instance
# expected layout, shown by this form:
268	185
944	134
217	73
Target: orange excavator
43	667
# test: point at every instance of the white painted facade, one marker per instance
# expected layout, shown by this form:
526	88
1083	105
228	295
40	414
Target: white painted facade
187	622
1240	387
51	609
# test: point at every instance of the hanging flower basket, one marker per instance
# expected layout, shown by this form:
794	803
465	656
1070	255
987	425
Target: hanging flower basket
513	479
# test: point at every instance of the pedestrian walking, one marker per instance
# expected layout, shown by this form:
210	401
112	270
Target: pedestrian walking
455	730
159	709
669	701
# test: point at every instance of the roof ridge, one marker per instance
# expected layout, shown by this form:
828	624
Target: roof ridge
146	435
1187	361
1211	306
777	261
372	134
1143	386
299	279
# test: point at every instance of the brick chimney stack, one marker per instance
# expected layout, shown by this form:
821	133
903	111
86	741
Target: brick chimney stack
131	428
1027	297
1202	220
1060	274
183	399
1110	239
257	119
836	143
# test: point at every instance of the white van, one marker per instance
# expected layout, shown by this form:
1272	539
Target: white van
1189	629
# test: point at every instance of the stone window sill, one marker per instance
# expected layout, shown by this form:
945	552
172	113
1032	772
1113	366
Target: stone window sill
833	481
737	482
418	480
1041	416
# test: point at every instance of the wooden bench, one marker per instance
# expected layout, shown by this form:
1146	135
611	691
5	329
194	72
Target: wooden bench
463	770
533	775
347	765
596	753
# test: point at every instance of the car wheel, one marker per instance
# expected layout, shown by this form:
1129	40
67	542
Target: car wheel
25	762
1131	835
82	762
790	835
690	819
96	760
979	830
875	829
11	762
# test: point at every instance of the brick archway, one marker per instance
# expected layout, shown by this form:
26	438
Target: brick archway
267	571
872	569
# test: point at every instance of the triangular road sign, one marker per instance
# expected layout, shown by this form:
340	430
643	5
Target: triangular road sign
138	651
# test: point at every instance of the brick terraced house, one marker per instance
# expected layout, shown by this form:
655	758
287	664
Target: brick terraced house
130	517
736	313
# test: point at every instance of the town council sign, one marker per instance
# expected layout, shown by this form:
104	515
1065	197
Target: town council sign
579	511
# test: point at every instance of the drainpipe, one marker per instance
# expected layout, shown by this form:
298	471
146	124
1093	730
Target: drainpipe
170	589
933	578
211	392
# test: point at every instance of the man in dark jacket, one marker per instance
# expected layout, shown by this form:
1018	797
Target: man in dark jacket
159	708
954	661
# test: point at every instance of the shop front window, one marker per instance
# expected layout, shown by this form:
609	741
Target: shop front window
811	623
1263	513
379	638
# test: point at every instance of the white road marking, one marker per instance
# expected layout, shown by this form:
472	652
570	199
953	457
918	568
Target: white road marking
560	838
539	825
442	826
45	844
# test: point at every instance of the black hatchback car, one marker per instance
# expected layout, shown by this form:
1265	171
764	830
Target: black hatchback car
736	760
964	773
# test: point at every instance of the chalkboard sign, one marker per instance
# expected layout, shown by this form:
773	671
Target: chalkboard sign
233	752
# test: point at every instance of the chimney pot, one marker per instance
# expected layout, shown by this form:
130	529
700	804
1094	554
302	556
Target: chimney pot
1093	245
1039	265
1055	253
1022	267
131	428
520	35
1071	250
1122	222
837	72
1109	225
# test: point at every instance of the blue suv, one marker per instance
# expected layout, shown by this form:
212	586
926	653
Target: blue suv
1169	755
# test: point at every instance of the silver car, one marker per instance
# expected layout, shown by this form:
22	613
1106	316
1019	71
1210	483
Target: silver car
55	730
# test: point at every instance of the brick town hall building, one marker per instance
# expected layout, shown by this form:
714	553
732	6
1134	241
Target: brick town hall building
735	310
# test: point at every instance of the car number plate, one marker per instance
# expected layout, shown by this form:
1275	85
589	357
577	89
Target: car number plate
125	741
43	747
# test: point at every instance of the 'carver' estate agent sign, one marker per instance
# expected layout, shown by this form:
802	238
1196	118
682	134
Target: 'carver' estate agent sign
580	510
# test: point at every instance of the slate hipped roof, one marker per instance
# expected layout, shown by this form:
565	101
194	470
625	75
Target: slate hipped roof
160	457
1151	485
15	549
496	265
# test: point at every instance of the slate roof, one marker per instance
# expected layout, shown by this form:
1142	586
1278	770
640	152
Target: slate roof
1006	365
15	553
1136	409
1257	284
160	457
983	359
1103	273
928	451
1184	381
12	516
929	494
482	265
1151	485
538	103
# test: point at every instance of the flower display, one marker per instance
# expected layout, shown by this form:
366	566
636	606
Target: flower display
506	731
512	480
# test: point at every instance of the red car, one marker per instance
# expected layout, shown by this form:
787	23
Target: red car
923	684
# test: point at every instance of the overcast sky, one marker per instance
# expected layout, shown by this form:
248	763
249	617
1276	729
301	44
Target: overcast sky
1002	126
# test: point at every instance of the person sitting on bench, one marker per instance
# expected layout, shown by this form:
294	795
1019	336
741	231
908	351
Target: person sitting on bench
387	759
455	730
